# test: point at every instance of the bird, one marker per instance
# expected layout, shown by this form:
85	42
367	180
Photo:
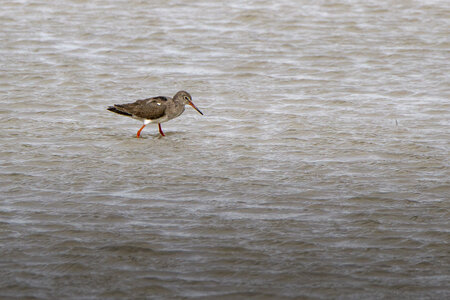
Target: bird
155	109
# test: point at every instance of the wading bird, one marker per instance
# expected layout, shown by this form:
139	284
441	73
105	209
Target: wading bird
155	110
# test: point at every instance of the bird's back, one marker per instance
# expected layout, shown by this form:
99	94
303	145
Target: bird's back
149	109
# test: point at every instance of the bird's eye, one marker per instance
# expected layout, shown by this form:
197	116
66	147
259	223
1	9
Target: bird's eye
186	98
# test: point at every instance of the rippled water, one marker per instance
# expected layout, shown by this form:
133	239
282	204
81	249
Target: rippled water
320	168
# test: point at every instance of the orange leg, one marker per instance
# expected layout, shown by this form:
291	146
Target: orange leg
160	129
139	131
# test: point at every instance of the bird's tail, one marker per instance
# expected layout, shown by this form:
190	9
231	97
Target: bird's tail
117	111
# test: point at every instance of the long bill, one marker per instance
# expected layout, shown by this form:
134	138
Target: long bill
195	107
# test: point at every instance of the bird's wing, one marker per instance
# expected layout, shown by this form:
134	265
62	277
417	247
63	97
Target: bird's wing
151	108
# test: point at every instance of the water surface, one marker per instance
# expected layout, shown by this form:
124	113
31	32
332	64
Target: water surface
319	171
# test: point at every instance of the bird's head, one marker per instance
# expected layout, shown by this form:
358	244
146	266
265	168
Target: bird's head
186	98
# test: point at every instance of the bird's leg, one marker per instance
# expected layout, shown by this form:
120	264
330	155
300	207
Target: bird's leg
160	129
139	131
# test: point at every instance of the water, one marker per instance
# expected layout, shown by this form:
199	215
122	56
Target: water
320	169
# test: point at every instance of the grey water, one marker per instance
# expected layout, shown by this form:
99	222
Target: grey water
320	169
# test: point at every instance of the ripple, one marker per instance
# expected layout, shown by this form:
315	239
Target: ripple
318	171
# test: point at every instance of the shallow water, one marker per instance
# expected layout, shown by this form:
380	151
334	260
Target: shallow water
320	169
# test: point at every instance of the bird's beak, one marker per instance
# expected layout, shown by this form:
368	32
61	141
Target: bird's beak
195	107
